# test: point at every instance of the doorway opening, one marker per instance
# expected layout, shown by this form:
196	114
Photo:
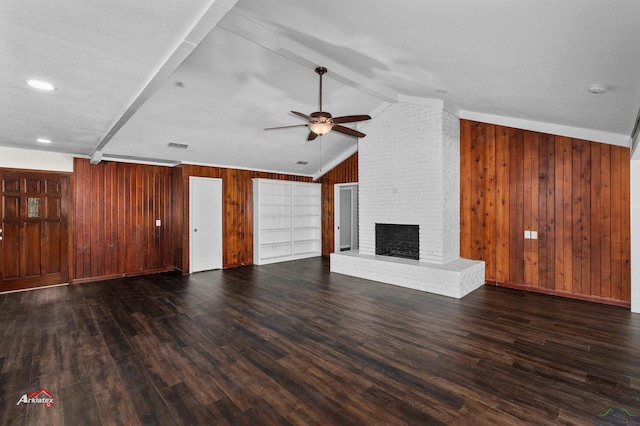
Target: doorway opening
346	216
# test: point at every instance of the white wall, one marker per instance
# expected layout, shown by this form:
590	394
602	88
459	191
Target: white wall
635	232
14	158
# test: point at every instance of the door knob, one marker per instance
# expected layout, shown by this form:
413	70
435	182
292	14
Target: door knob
195	229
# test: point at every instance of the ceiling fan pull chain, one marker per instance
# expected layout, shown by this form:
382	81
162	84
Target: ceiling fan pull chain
320	147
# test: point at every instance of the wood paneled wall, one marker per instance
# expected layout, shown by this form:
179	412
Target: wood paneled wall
237	208
345	172
116	205
574	193
115	208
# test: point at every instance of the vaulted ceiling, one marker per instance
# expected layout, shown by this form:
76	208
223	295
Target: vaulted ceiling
133	76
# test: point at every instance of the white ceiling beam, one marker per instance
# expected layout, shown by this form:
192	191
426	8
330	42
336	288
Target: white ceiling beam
96	157
186	44
259	34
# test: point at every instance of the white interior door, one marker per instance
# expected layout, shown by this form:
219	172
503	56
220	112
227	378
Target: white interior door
205	222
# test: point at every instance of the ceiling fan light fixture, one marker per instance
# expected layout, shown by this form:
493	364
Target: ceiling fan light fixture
321	128
320	122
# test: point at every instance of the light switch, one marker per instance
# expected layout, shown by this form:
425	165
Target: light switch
527	234
534	235
158	222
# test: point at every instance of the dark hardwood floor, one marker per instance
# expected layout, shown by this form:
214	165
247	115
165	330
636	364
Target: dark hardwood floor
292	343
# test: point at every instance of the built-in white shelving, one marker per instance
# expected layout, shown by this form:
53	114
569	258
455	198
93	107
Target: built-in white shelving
286	220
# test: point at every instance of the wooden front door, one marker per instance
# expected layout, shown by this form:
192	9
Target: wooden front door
35	234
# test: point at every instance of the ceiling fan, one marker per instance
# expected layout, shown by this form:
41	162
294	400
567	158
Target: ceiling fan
322	122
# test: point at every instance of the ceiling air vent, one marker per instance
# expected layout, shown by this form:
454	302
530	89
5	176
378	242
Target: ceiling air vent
177	145
302	163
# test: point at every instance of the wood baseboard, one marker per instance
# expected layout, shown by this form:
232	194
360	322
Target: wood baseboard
560	293
126	274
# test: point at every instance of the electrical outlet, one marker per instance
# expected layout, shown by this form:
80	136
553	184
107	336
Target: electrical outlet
158	222
527	234
534	235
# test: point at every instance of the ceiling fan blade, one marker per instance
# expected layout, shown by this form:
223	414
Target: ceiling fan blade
351	119
286	127
348	131
312	136
299	114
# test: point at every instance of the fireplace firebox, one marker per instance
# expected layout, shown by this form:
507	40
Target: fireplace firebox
398	240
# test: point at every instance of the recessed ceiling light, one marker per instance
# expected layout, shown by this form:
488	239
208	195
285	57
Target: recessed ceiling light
41	85
42	140
597	89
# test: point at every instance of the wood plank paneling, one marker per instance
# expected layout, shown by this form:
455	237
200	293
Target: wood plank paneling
465	182
625	237
502	208
530	213
489	201
574	193
546	209
596	223
567	214
512	226
519	207
605	221
345	172
115	210
477	195
617	232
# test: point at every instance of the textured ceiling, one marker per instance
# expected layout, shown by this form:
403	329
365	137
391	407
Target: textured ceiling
115	65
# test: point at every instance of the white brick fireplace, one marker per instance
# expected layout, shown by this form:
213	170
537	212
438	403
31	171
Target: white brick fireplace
409	174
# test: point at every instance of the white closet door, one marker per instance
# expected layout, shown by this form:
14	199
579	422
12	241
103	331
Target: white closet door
205	207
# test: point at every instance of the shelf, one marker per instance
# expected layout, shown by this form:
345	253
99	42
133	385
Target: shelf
302	253
278	244
288	215
285	256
